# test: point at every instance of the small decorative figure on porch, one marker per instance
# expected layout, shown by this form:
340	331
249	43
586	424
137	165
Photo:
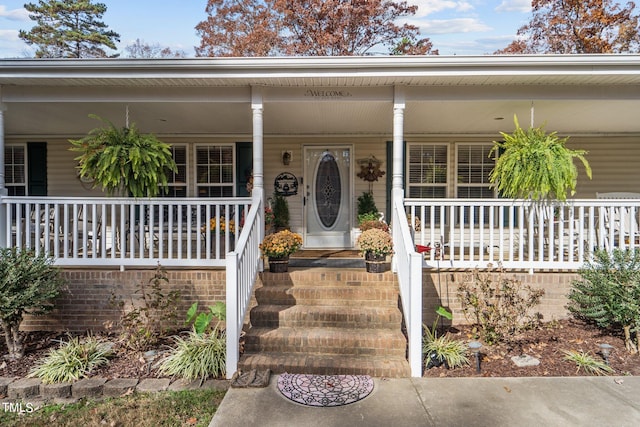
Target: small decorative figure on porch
370	169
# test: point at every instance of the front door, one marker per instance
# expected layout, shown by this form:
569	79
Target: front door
328	202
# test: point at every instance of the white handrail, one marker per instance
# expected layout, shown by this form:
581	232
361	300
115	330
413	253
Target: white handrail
243	266
519	235
408	264
195	232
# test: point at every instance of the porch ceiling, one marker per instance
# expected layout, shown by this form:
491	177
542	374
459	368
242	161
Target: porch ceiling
572	94
429	117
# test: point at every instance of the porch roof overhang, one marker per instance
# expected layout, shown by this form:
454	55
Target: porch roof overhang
573	94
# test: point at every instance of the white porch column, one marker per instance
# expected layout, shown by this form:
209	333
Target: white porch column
258	145
398	138
3	189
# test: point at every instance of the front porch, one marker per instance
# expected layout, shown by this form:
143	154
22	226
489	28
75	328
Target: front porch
104	234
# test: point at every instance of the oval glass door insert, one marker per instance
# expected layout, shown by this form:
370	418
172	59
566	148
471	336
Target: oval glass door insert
328	190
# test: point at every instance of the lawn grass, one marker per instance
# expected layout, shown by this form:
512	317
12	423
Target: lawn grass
182	408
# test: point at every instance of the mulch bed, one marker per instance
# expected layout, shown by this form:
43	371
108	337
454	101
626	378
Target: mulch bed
545	344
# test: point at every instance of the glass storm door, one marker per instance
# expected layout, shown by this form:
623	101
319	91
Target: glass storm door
328	201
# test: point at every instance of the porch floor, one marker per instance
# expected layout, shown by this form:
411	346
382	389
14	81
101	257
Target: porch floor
331	258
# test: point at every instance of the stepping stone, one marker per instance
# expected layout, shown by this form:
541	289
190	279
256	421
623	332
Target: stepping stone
119	386
181	384
24	388
4	382
222	385
525	360
55	391
151	385
88	387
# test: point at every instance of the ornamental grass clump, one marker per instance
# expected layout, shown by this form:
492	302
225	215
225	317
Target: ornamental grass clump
280	244
375	241
73	360
198	356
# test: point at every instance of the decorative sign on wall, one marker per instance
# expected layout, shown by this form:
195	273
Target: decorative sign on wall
286	184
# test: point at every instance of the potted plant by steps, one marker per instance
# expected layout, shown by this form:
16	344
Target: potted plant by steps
375	244
277	247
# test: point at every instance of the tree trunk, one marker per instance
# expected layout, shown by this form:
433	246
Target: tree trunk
628	342
13	340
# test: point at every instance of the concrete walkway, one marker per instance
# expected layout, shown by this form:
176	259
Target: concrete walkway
411	402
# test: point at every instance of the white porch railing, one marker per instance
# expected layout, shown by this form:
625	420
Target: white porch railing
243	265
123	232
518	235
408	265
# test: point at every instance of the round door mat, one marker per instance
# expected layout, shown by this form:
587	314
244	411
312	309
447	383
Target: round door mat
325	390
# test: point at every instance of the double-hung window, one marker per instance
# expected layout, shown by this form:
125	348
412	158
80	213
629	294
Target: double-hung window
15	170
427	170
177	181
214	170
473	168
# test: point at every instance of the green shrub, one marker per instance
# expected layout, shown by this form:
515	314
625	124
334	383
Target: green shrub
197	357
367	209
587	363
280	212
72	360
28	284
151	316
502	308
608	293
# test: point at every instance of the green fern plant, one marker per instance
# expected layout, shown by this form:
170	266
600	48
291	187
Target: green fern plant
535	165
73	360
124	161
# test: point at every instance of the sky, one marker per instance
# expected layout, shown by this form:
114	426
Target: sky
471	27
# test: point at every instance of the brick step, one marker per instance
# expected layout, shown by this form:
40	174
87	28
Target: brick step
329	277
327	295
326	316
378	366
334	341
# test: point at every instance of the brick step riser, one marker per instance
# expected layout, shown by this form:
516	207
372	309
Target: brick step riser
327	297
388	368
389	321
326	346
329	283
299	323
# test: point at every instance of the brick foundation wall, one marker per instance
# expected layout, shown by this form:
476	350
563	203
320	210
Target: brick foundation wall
86	305
441	289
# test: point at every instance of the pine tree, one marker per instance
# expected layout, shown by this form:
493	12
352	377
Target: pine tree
69	29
